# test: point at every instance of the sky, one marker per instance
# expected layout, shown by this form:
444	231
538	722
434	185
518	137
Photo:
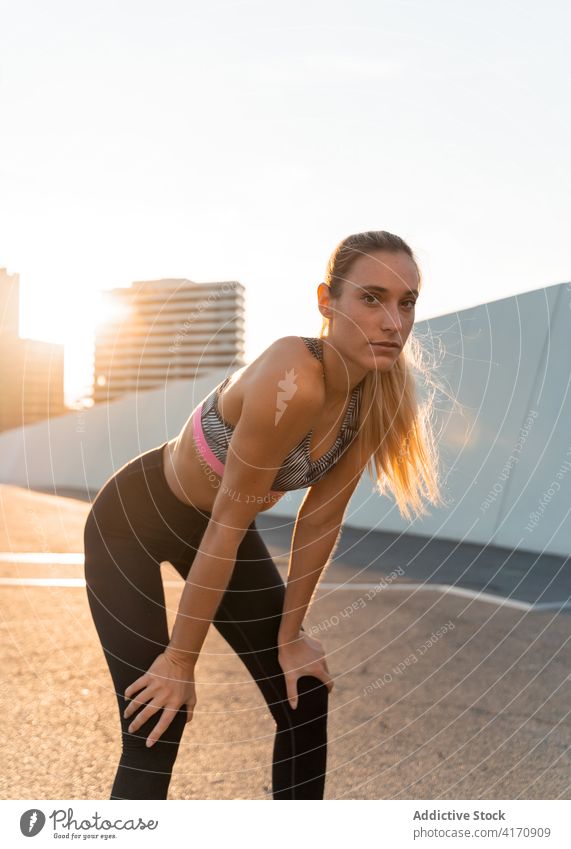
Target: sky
243	140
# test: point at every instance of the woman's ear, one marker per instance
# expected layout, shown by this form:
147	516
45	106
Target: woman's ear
323	299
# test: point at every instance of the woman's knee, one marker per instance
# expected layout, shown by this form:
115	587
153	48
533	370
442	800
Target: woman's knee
314	695
164	751
312	704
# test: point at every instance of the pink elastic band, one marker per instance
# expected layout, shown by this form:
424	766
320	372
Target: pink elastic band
206	451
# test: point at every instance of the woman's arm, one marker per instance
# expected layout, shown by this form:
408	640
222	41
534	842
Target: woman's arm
203	589
315	534
311	548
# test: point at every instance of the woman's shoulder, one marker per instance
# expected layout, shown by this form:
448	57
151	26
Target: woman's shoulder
306	347
292	361
284	372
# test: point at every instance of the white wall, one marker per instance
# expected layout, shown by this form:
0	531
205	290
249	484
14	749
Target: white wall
81	450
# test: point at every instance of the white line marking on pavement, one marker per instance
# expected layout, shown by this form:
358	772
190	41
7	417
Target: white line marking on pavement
443	588
35	558
43	558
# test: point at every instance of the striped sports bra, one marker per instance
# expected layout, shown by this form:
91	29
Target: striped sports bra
212	435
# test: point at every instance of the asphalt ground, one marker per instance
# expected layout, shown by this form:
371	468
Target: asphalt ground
451	681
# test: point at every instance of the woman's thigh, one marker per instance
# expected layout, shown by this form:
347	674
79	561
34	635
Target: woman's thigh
126	597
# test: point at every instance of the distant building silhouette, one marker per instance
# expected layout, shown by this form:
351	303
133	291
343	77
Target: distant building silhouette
31	387
170	329
9	303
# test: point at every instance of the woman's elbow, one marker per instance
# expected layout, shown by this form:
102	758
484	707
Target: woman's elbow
227	527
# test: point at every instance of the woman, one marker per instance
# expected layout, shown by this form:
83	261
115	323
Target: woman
307	413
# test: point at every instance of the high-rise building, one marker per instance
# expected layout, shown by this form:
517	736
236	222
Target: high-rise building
9	303
168	329
31	384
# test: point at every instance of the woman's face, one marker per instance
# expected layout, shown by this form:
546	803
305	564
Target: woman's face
376	305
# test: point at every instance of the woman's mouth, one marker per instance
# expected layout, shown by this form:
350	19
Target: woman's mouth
385	346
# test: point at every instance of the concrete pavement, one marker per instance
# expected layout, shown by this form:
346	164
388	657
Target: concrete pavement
436	695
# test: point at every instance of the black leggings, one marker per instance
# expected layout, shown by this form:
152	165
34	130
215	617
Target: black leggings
135	523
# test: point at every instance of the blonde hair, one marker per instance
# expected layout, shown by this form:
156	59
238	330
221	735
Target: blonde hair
395	429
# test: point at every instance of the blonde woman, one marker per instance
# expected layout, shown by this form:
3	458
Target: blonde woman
309	412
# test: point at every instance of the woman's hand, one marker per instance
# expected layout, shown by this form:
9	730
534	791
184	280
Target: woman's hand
303	655
168	684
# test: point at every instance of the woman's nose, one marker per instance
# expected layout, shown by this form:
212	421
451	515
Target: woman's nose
391	319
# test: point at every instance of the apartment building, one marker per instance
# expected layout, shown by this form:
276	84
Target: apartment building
169	329
31	384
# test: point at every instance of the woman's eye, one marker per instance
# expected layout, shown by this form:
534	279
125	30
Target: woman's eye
410	302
